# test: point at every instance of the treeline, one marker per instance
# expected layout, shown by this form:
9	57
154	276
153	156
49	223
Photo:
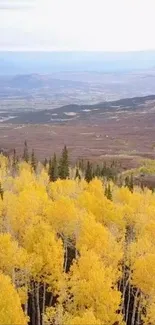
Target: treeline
60	167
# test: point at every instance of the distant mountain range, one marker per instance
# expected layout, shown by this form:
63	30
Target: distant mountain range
49	62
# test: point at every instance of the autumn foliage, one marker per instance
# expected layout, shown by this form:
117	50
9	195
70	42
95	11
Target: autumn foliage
71	255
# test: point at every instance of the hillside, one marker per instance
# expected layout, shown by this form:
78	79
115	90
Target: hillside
111	109
124	129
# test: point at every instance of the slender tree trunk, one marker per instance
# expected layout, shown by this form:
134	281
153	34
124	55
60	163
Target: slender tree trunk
139	311
128	304
119	285
33	316
44	302
123	283
134	308
66	257
38	304
51	300
124	290
26	308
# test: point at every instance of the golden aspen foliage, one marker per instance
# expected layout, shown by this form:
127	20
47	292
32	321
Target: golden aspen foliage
11	255
87	317
10	305
66	188
149	318
62	214
23	294
26	207
144	273
45	254
71	256
94	236
103	209
92	285
3	167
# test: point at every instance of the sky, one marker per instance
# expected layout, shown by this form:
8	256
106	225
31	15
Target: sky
91	25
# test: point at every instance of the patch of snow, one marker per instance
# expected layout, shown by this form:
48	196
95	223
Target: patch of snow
59	119
19	127
87	133
86	110
70	113
4	119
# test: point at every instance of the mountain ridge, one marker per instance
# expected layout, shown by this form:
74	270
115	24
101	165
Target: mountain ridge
74	112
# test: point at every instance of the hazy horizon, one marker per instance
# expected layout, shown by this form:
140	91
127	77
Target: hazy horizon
76	51
23	62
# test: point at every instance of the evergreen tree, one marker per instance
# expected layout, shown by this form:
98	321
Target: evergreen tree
1	191
33	161
108	192
53	169
14	159
77	174
14	163
89	172
64	164
81	165
50	168
142	185
26	152
120	181
129	182
45	162
112	164
104	170
97	171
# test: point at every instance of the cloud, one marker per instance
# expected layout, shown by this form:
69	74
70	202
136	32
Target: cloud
17	4
107	25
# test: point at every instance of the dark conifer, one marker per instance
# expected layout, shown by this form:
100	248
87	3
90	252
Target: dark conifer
14	163
64	164
77	174
45	162
50	168
129	182
97	171
104	170
26	152
108	192
142	185
89	172
33	161
53	169
14	159
81	165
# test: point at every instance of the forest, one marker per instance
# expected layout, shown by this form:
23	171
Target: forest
77	247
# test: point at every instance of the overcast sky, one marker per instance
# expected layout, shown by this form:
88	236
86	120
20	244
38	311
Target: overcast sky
107	25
